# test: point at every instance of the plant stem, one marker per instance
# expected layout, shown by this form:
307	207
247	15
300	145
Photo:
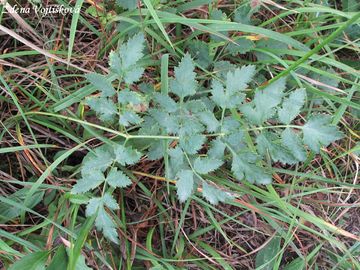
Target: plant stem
158	137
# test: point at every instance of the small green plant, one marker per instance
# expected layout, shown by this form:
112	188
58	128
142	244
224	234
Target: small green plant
195	130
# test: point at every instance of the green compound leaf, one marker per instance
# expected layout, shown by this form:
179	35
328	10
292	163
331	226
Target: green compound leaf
105	224
192	119
149	126
93	166
117	178
206	165
129	97
243	167
241	46
219	95
236	140
126	155
184	83
167	121
243	14
268	143
132	51
98	160
156	150
319	132
185	184
200	51
133	75
128	118
239	79
166	103
103	221
93	205
217	148
110	202
104	108
265	101
115	63
222	68
272	45
214	195
209	120
217	14
89	181
193	143
125	62
176	161
101	83
189	124
292	105
236	82
294	144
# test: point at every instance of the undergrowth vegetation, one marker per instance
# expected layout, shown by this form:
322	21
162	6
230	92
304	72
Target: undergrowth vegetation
142	134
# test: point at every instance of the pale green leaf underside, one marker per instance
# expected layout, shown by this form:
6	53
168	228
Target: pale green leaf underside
101	83
184	83
319	132
129	97
104	108
132	51
243	167
165	102
209	120
126	155
293	142
268	143
176	161
217	148
214	195
193	143
117	178
125	61
206	165
292	105
100	159
89	181
226	97
265	101
185	184
128	118
103	221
